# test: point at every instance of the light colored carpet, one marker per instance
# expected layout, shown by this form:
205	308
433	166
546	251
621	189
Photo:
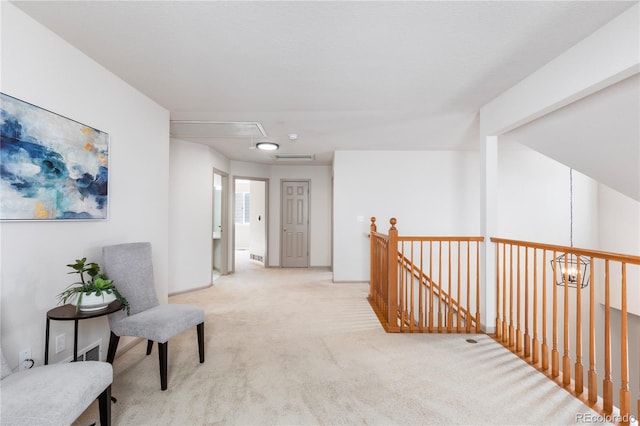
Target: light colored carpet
289	347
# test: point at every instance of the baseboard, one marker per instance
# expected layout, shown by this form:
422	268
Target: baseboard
190	290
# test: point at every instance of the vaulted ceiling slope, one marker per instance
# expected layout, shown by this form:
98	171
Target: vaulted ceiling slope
598	135
352	75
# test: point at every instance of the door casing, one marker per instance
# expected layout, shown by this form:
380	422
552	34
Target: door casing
220	212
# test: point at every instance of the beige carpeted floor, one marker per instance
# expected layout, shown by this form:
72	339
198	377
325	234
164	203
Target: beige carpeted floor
289	347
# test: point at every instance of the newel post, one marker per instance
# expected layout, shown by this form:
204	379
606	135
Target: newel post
392	258
373	274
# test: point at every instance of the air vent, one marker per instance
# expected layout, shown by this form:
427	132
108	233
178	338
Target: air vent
216	129
294	157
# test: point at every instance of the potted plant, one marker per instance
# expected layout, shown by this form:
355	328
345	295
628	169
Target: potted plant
94	292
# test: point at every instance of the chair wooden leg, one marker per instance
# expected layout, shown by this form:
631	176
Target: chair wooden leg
200	329
113	346
104	402
162	357
149	346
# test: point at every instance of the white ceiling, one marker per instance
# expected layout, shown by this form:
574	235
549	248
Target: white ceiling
349	75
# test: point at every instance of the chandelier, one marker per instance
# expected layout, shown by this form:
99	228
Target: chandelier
569	268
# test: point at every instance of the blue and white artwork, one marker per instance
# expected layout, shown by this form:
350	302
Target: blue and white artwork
51	167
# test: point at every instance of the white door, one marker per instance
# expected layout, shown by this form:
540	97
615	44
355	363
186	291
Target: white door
295	224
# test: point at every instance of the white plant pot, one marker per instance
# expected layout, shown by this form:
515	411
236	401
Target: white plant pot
92	302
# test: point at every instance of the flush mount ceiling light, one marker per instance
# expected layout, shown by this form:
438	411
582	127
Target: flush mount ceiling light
267	146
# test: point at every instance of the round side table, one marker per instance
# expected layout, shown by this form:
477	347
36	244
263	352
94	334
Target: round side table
69	312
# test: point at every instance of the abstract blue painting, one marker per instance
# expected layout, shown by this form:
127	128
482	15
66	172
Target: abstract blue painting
51	167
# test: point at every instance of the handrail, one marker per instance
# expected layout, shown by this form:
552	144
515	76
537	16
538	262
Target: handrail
619	257
537	271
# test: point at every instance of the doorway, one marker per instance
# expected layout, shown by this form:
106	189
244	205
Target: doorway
294	241
219	238
250	231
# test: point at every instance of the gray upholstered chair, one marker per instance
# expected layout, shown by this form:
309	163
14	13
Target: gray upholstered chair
54	394
131	269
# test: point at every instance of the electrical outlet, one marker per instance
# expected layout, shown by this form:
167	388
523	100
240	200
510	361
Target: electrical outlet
60	343
23	356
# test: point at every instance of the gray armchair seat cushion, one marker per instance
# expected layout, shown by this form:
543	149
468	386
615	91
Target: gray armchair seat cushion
159	323
53	394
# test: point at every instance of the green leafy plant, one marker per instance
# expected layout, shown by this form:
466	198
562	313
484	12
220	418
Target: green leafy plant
96	283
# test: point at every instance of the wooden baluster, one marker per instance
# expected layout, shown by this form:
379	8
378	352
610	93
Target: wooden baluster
535	344
592	375
498	316
381	249
545	345
478	287
403	294
579	369
385	276
511	329
379	276
554	351
411	289
411	308
450	307
372	271
379	272
625	396
458	297
467	319
566	359
384	273
392	259
505	333
518	314
431	287
607	384
440	314
527	339
400	310
421	292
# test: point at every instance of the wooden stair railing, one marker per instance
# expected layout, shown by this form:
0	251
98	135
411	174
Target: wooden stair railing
407	299
541	306
429	285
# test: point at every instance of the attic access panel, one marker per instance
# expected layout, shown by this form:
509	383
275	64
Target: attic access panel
194	129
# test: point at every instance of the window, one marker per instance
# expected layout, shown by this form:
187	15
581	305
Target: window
242	207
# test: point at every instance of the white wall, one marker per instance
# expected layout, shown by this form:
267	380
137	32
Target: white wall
40	68
534	200
428	192
619	232
191	217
